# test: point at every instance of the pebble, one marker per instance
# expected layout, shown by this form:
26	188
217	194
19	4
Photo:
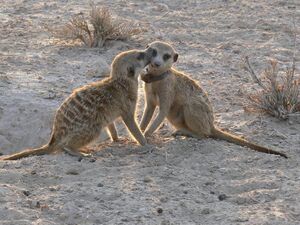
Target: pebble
72	172
163	199
147	180
92	160
159	210
222	197
34	204
205	211
26	193
241	219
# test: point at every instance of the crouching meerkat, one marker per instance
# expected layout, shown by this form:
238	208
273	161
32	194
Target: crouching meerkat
181	100
89	109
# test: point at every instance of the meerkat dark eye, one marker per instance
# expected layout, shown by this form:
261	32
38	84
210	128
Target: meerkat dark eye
154	52
141	56
166	57
175	57
130	71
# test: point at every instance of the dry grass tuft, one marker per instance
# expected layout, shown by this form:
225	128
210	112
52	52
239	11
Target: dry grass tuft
100	27
279	96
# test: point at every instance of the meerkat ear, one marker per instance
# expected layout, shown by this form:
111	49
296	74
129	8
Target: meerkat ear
175	57
131	71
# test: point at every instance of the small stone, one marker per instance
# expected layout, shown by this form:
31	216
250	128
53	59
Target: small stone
205	211
54	188
222	197
93	160
69	190
165	222
26	193
182	204
241	219
147	180
185	192
159	210
163	199
212	192
33	172
197	201
100	185
72	172
34	204
209	183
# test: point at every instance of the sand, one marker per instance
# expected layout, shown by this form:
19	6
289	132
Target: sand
183	180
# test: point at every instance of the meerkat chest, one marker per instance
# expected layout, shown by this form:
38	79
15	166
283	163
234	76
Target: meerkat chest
156	92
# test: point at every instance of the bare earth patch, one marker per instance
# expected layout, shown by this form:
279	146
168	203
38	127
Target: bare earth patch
183	180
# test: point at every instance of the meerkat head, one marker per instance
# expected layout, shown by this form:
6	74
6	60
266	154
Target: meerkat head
130	64
163	56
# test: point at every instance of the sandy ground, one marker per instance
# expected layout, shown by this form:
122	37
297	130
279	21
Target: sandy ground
184	180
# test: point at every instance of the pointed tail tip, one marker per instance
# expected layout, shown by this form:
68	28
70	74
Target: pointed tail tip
283	155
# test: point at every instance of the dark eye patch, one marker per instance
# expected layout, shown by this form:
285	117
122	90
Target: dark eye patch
166	57
141	56
154	52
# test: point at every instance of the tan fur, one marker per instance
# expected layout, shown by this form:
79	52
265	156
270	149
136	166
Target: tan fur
182	101
81	117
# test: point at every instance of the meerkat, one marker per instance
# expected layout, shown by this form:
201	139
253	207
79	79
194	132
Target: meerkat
181	100
81	117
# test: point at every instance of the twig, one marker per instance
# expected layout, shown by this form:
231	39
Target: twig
294	46
252	73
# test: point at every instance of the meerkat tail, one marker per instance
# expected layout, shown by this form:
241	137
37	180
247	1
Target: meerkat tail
242	142
46	149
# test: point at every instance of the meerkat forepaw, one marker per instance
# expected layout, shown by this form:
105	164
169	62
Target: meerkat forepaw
146	149
116	140
144	142
147	133
176	133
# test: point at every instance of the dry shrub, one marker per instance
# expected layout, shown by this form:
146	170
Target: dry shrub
279	96
100	26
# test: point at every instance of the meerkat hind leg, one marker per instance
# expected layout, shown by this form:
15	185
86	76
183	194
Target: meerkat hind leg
184	132
198	124
75	153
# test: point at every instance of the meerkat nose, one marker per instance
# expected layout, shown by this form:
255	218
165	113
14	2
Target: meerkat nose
157	64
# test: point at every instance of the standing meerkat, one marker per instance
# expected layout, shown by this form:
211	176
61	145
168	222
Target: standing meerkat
181	100
81	117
